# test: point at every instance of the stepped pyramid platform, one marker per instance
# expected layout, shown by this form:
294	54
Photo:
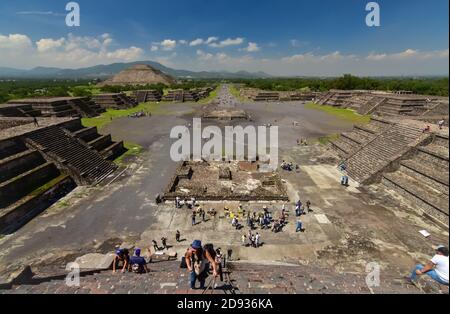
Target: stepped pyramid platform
335	98
114	101
423	179
267	96
367	163
62	106
402	105
18	110
147	96
174	96
40	164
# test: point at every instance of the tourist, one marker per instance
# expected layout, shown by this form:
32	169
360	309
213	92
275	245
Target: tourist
212	212
441	124
122	257
193	219
344	180
178	236
164	243
299	226
308	206
252	241
203	213
35	121
436	269
219	257
257	240
177	202
155	245
244	240
198	260
138	263
427	129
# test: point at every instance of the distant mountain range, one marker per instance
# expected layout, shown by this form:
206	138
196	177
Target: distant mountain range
107	71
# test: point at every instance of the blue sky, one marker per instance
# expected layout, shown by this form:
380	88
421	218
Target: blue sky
283	37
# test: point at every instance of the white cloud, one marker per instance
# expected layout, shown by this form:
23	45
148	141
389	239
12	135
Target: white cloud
46	44
154	48
211	40
201	41
126	54
49	13
183	42
252	47
15	41
408	54
18	50
228	42
168	44
196	42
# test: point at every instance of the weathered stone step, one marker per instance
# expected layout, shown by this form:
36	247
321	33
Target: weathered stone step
17	187
420	191
19	163
428	171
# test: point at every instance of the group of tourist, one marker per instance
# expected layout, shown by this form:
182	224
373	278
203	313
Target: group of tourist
252	240
289	166
179	203
136	263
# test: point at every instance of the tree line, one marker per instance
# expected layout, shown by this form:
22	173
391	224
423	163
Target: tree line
424	86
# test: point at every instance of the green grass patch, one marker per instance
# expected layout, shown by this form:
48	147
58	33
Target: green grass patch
237	94
344	114
111	114
324	140
213	95
48	185
132	151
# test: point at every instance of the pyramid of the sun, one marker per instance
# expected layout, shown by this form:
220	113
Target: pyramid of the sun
140	74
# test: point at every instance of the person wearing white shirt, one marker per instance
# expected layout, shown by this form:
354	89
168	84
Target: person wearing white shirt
437	268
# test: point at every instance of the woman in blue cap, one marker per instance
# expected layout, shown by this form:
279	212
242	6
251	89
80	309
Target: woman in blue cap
198	261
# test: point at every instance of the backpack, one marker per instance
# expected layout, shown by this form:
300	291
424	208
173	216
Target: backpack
136	268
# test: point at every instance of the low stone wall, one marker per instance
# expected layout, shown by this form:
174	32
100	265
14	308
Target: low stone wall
12	221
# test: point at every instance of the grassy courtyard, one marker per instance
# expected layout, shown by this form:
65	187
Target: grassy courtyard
345	114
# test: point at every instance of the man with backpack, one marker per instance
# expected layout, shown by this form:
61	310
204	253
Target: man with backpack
138	263
198	261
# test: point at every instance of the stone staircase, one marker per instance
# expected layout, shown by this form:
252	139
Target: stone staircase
114	101
424	179
370	106
349	143
86	107
103	144
81	161
379	153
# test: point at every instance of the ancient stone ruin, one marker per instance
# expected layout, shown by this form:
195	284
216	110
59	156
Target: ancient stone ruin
400	154
56	106
142	96
41	163
225	181
114	101
140	74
